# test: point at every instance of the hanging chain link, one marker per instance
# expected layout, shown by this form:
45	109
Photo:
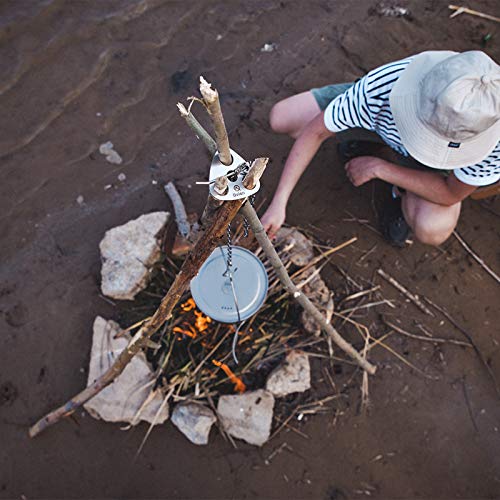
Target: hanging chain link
229	273
229	247
246	224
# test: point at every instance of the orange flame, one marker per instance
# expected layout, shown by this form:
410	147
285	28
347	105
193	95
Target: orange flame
188	305
239	386
202	321
191	332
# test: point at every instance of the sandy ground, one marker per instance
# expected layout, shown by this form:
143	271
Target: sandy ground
77	74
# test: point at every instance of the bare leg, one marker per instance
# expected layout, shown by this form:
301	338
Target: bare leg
431	223
292	114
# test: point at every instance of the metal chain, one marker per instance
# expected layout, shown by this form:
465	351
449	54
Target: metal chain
229	247
246	224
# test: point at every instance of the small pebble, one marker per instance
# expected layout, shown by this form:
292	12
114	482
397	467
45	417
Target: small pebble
269	47
154	182
121	177
80	200
108	186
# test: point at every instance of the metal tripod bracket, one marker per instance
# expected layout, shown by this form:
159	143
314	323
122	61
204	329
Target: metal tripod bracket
235	173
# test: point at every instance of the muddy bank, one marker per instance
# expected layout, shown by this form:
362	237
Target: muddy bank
77	74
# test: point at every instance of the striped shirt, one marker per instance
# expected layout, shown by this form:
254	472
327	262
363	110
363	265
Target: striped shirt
366	105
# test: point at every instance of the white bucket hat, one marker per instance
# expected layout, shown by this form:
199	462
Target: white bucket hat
446	106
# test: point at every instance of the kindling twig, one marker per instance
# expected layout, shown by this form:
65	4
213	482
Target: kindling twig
476	257
461	10
405	292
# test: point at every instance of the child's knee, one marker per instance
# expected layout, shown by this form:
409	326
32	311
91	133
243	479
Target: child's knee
277	118
433	232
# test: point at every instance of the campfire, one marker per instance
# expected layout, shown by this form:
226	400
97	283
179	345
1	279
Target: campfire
211	370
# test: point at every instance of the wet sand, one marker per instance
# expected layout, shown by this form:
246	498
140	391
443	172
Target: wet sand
77	74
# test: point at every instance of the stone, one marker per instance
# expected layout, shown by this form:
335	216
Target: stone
194	421
123	400
111	155
247	416
128	252
320	295
298	248
294	375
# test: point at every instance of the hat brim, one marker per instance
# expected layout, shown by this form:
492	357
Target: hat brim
423	143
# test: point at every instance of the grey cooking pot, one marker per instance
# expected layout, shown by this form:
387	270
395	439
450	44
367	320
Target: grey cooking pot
212	291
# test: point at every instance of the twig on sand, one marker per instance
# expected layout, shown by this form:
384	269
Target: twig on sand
476	257
465	10
405	292
435	340
450	318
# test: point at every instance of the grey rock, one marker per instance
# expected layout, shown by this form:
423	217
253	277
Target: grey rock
294	375
194	421
247	416
296	246
123	400
320	295
128	252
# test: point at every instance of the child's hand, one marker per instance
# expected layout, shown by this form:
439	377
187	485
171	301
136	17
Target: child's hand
273	219
362	169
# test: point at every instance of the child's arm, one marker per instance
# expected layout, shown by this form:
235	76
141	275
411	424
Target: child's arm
301	154
431	186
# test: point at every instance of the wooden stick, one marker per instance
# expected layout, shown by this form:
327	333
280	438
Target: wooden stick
460	10
189	269
476	257
255	172
268	248
214	225
212	103
221	185
199	131
249	212
180	211
405	292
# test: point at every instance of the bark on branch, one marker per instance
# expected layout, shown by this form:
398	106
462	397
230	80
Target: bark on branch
211	100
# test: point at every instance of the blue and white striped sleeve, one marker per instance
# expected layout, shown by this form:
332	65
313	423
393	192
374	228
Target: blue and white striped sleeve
484	173
349	110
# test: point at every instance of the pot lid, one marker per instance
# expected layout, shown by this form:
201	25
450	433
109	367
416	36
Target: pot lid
212	291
